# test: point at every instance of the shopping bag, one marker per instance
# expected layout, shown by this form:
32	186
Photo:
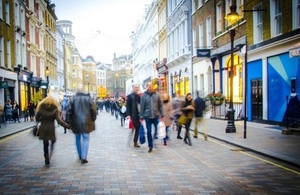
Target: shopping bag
142	137
131	124
161	130
126	123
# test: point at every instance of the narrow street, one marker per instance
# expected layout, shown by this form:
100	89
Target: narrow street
116	167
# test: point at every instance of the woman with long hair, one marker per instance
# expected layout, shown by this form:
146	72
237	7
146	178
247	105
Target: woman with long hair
188	112
47	112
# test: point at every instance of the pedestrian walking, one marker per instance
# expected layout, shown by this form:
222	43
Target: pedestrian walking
151	111
82	113
8	111
31	108
133	110
46	113
64	107
188	112
199	105
122	110
168	115
176	106
15	111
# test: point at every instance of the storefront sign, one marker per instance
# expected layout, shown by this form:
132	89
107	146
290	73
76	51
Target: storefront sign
204	53
3	84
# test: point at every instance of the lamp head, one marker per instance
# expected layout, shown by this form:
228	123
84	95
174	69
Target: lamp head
233	16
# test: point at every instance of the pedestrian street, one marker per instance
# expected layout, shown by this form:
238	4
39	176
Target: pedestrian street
116	167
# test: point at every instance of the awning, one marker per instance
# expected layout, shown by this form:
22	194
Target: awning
295	50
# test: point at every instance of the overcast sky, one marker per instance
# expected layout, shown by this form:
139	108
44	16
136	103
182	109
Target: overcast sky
102	27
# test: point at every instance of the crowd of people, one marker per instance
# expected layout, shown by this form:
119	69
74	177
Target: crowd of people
79	113
151	107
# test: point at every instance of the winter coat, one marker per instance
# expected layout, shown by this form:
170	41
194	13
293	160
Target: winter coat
168	112
46	115
151	106
82	113
199	105
189	113
8	110
132	106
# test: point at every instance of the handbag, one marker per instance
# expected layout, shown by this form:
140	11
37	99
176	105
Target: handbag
161	130
182	120
36	129
142	137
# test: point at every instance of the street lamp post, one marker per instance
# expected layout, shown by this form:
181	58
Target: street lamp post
232	17
47	73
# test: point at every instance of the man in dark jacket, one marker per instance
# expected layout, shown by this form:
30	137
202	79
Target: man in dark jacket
199	105
132	109
151	111
81	114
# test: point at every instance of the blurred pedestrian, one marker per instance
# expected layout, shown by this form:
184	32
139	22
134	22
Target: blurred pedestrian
188	112
31	108
133	110
46	113
151	111
176	106
82	113
15	111
168	115
8	111
199	105
122	110
64	107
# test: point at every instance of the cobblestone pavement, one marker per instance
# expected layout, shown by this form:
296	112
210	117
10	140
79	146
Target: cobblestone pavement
116	167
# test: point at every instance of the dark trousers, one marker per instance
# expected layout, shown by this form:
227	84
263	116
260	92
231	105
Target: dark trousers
136	124
187	131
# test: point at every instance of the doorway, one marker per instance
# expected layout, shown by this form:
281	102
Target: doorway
256	100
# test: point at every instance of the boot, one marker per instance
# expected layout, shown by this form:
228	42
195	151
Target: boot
47	160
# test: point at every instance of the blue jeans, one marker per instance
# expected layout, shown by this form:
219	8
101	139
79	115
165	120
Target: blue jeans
149	123
167	134
82	144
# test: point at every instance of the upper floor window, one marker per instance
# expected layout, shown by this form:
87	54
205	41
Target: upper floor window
201	38
208	32
276	17
193	6
7	18
1	51
1	10
200	3
257	24
219	18
296	14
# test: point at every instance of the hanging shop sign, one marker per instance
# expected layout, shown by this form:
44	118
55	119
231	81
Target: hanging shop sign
203	53
3	84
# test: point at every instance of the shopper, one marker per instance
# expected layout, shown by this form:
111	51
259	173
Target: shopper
46	113
82	113
132	110
151	111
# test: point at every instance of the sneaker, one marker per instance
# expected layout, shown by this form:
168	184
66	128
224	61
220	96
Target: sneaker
179	137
